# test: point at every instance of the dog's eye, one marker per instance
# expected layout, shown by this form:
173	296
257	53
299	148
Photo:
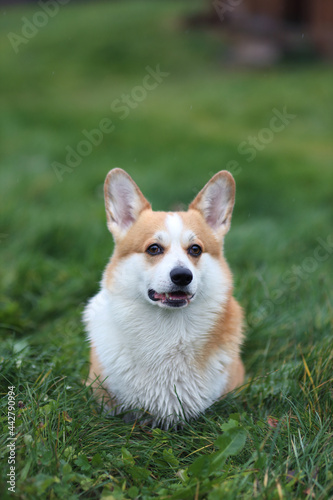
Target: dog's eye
195	250
154	249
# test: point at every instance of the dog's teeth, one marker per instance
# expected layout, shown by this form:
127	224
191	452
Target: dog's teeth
167	295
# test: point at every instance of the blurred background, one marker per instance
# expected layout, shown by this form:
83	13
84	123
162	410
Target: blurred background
172	92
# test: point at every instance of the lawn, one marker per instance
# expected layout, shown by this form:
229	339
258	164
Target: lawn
271	439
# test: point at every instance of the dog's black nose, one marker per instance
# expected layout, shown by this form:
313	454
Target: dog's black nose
181	276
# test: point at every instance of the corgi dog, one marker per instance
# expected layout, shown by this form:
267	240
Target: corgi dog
165	330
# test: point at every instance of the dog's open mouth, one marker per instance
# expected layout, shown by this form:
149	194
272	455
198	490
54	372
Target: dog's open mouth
171	299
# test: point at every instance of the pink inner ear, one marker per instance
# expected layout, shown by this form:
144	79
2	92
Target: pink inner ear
123	200
215	207
218	203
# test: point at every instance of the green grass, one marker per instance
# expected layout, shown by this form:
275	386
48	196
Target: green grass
54	245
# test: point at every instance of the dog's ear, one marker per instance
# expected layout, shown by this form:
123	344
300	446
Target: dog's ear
123	202
216	202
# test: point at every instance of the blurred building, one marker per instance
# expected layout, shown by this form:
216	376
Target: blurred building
261	32
315	17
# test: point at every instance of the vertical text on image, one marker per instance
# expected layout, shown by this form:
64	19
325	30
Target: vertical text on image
11	481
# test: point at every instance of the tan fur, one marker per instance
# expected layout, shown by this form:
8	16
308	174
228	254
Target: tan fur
137	239
193	220
228	329
140	236
227	332
96	378
228	181
143	202
236	375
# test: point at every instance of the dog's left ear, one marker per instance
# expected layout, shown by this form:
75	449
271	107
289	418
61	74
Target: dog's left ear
123	202
216	202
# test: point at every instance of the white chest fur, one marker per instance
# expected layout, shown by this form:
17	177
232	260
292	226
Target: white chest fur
150	356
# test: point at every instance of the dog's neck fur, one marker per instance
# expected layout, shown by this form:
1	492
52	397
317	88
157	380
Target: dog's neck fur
155	354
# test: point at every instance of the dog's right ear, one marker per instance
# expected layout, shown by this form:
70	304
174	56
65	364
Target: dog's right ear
123	202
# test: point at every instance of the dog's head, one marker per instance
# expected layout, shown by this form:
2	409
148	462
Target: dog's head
168	258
